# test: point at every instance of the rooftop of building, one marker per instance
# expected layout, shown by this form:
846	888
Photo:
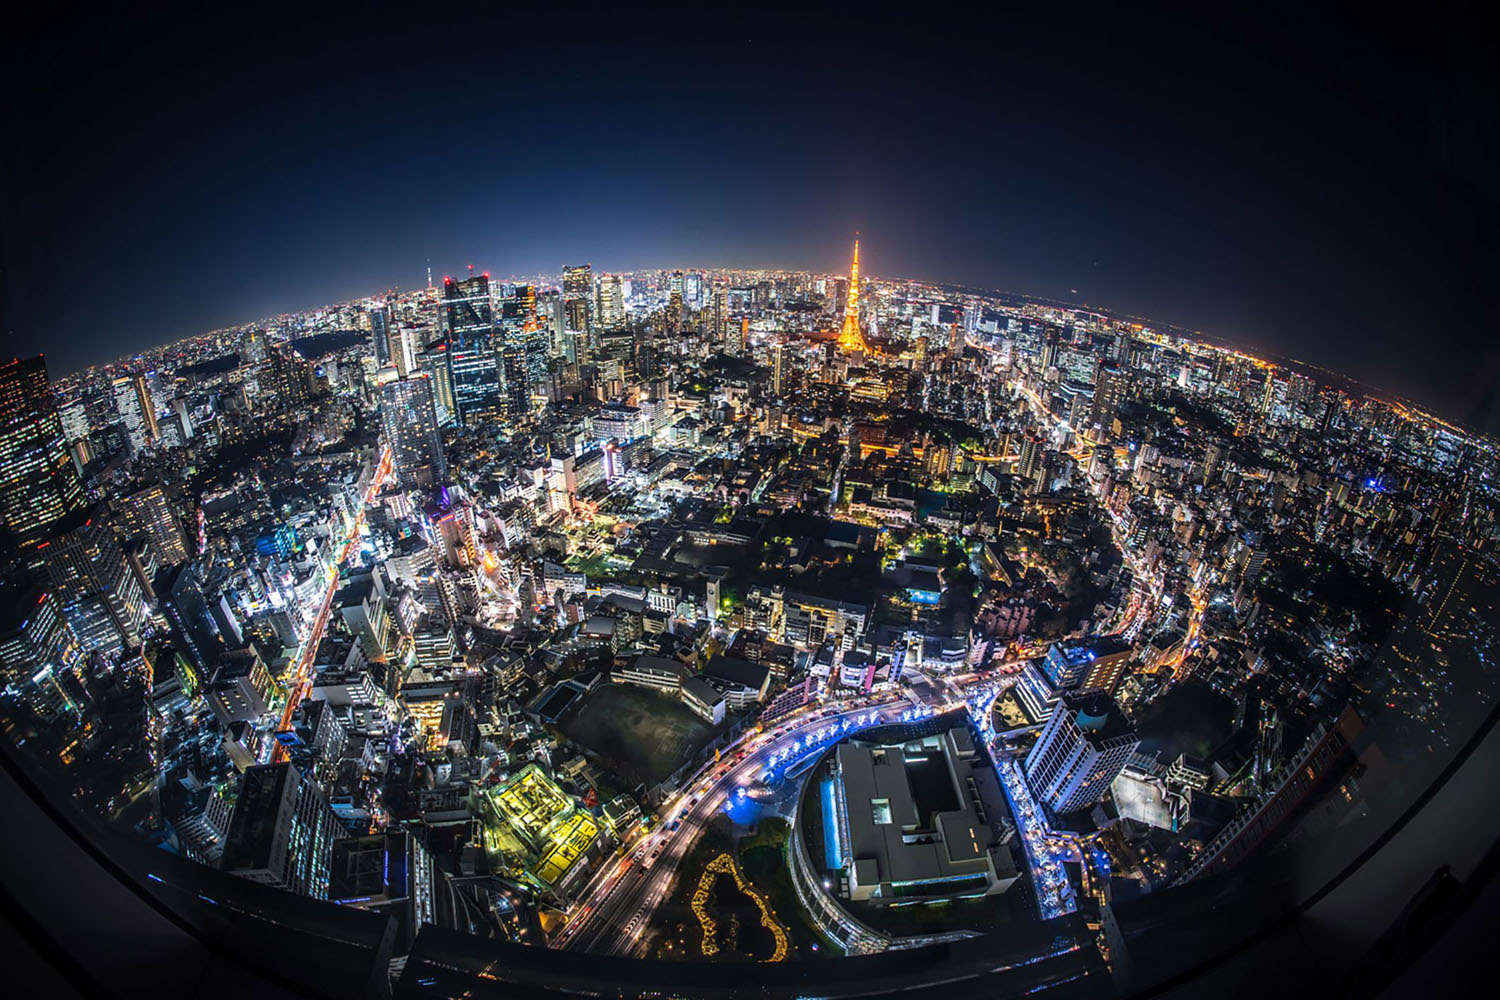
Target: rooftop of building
736	671
907	812
252	827
1097	715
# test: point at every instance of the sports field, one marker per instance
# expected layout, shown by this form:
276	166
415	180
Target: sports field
646	734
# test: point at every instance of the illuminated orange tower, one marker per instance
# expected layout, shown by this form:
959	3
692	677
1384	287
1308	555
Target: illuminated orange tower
850	337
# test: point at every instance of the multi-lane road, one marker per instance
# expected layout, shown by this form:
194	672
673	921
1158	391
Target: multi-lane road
301	682
613	913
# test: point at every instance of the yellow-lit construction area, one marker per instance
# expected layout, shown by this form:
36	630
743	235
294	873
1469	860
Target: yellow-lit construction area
534	829
570	841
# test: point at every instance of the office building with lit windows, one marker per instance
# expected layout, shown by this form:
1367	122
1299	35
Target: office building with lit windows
472	357
39	483
380	324
281	831
1083	748
35	638
148	512
91	577
433	362
137	412
408	417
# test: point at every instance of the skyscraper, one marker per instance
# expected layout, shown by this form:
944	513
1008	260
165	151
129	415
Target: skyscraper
34	636
515	375
281	831
577	314
611	302
38	482
578	281
402	348
736	336
408	416
75	420
100	596
1031	456
137	411
517	304
718	310
1081	751
472	356
433	362
180	594
380	322
285	380
524	347
578	300
147	512
1110	388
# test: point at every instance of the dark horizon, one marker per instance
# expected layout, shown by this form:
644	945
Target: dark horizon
1326	193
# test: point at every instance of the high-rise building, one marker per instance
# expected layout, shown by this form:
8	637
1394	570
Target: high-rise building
576	314
39	484
183	414
200	816
180	596
137	411
523	347
285	380
281	831
1083	748
736	336
408	416
35	638
402	347
472	356
380	328
554	322
515	375
100	596
147	512
718	311
75	420
433	362
778	369
611	302
578	281
1031	456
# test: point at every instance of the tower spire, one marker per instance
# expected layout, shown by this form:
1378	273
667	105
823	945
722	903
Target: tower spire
850	337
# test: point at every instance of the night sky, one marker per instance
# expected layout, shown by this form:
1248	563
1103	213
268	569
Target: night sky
1324	188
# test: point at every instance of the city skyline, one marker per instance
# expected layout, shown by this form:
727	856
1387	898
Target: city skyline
749	502
1323	372
590	586
1338	240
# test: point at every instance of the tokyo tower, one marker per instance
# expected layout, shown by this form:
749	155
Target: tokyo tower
850	337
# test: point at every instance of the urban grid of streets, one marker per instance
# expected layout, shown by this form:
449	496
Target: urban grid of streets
611	915
1116	481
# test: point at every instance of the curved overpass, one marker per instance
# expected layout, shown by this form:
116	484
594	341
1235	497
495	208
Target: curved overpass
613	911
